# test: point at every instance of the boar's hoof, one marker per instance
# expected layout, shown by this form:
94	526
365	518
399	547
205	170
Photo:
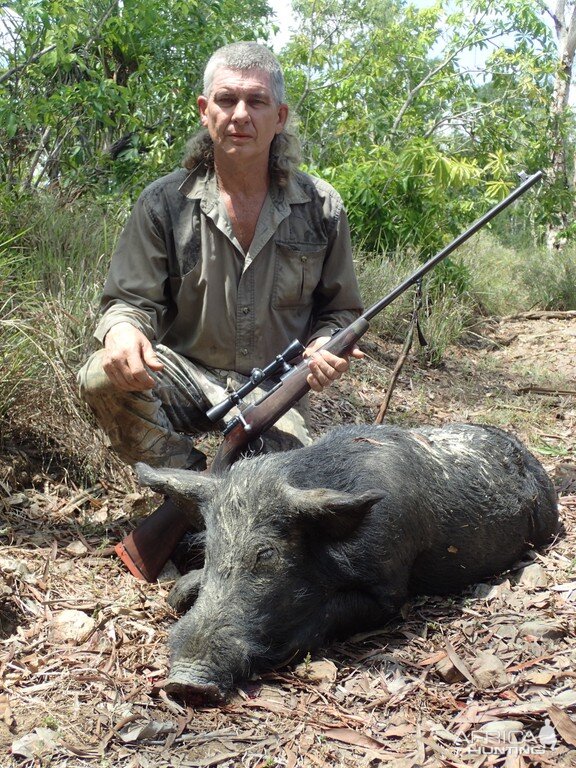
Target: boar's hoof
187	682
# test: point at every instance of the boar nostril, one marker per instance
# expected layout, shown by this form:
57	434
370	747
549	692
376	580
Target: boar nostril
188	690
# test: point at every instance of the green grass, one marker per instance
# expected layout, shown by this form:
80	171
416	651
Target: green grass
482	279
51	275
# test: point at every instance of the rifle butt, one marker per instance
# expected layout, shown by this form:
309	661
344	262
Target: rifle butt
146	550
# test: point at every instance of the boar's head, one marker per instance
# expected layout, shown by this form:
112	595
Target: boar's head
268	577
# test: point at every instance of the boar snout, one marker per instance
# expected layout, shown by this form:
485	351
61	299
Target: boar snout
195	678
209	650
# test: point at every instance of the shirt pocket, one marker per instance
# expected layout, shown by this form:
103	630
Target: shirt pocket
297	272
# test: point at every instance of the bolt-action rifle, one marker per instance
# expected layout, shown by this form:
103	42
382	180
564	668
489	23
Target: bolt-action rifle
146	550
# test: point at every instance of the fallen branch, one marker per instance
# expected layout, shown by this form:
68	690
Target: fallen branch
533	389
569	314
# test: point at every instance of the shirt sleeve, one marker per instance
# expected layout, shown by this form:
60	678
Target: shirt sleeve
134	291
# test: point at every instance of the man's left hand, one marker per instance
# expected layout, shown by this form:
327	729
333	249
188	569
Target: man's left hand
325	367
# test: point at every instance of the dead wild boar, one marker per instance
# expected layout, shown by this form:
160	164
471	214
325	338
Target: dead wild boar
331	539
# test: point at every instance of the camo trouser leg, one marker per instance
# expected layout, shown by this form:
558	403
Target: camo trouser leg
159	426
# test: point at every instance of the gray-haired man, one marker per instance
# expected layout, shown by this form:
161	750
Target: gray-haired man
219	267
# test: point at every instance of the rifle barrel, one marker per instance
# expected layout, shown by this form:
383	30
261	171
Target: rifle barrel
379	306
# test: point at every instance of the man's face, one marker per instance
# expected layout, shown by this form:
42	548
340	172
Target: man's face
241	114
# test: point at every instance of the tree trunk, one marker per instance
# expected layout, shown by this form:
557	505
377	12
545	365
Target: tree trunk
559	172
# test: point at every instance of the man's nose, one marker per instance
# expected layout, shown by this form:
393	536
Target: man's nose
241	113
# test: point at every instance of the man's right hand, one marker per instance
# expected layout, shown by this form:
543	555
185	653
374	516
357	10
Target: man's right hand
127	355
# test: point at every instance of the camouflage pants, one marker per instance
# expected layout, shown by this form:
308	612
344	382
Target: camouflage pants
158	426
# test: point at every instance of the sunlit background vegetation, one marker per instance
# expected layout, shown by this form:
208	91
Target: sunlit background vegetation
420	116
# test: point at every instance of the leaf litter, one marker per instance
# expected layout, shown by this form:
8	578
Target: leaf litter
483	678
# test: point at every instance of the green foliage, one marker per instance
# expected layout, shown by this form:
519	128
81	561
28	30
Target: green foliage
393	114
90	82
397	200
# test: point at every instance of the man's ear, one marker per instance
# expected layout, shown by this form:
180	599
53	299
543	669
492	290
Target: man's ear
202	102
338	514
282	117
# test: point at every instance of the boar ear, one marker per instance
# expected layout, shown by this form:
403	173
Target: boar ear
339	514
177	483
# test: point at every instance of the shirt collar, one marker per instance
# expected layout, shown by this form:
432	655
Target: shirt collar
198	186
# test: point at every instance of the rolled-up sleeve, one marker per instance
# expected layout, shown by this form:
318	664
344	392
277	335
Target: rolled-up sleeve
135	289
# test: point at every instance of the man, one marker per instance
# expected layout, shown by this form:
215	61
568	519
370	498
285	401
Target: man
219	267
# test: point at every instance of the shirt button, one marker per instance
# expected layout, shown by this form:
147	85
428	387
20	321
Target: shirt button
244	352
245	310
303	259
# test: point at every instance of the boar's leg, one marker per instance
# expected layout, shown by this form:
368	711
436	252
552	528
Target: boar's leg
184	593
355	610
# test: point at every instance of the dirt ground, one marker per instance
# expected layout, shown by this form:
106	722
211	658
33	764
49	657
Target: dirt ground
485	678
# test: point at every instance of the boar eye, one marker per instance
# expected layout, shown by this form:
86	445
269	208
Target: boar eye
265	555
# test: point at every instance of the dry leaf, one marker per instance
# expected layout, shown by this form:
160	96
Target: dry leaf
399	731
39	743
539	678
317	671
564	724
459	664
6	714
348	736
141	731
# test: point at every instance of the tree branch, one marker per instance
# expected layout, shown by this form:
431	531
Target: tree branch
468	43
38	55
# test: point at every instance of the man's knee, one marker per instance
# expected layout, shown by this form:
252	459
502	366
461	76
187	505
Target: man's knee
92	379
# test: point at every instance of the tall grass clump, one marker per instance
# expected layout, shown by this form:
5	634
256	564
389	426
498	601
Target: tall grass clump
446	307
52	276
496	283
379	275
506	280
550	278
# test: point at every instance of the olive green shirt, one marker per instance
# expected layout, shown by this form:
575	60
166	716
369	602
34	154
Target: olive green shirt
180	275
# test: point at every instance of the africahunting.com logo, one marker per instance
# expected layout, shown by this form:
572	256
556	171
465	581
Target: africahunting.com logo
508	738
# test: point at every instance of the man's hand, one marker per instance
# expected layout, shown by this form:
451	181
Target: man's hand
127	355
326	367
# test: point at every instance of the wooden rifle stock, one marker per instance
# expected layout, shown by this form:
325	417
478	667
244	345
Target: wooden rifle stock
146	549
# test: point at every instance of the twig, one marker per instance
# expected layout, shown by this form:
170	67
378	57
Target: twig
396	372
569	314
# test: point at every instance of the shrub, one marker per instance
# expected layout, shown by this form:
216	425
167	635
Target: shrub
55	271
